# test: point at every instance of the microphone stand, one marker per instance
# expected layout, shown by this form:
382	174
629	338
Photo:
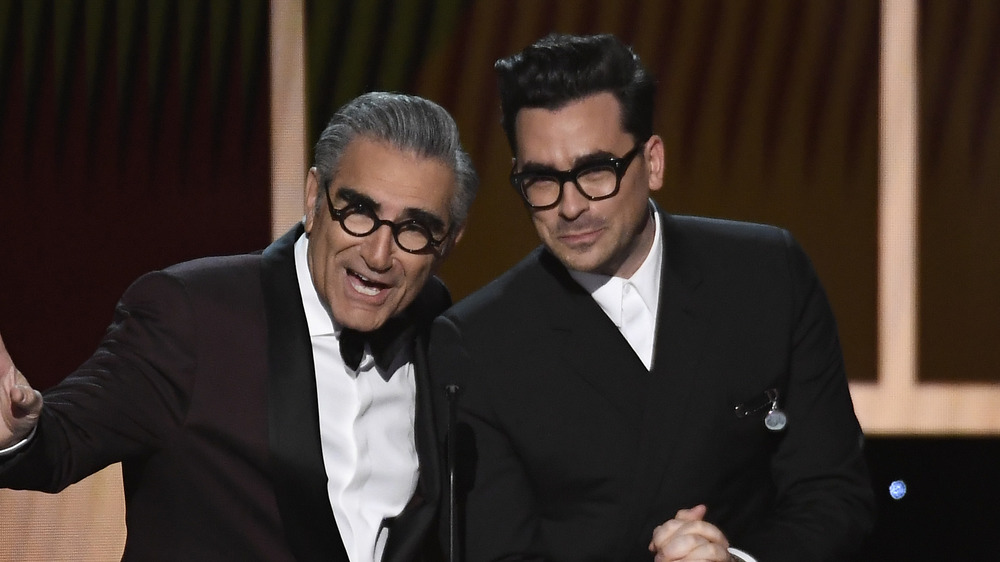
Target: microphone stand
452	392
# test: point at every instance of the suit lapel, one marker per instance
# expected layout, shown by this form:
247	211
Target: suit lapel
589	343
409	529
679	345
297	469
682	327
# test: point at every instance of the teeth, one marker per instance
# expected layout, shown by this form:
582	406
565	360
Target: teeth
363	287
366	290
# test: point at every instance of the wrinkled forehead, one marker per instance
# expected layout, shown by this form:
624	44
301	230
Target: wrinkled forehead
394	179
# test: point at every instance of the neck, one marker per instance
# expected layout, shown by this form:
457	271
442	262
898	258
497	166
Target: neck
642	243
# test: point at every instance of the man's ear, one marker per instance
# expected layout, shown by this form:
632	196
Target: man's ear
458	234
312	195
454	238
446	248
655	162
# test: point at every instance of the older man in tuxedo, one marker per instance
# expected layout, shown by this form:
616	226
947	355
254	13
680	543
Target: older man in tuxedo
275	406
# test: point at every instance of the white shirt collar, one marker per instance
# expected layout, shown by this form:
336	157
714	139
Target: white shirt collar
607	290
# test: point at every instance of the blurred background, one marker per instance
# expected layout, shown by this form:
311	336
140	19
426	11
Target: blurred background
136	134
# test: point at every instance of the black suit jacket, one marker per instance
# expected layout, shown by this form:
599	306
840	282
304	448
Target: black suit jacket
571	450
204	388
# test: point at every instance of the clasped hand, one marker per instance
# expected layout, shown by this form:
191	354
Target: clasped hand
688	537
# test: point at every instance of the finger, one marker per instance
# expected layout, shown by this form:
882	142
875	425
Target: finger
17	395
677	536
690	548
708	552
707	531
680	547
5	360
27	399
696	513
6	363
662	534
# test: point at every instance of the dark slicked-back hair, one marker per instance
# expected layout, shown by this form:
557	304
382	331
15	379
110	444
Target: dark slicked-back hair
559	69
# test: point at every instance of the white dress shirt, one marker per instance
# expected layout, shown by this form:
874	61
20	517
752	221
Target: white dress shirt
366	429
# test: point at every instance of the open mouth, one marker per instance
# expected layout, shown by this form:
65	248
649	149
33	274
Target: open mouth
364	285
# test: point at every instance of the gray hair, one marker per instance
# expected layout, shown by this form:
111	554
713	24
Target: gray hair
408	123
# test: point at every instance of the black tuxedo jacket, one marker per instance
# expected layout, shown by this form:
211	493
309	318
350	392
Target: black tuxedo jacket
204	388
569	449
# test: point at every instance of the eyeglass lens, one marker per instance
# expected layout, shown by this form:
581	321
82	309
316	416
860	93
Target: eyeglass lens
597	182
410	236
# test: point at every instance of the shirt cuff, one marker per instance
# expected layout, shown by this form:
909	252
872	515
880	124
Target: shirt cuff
743	556
19	445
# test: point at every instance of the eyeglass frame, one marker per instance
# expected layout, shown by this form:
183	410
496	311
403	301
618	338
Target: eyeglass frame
620	166
340	215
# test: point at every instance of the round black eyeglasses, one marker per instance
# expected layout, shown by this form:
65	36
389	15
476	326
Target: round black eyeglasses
594	179
358	219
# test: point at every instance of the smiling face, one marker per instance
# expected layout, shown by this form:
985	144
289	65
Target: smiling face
611	236
367	280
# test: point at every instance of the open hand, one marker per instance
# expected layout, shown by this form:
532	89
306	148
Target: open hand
20	405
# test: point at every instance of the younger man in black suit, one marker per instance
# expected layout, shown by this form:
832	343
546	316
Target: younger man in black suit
642	383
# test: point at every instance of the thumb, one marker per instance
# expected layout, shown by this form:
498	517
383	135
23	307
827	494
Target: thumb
26	400
696	513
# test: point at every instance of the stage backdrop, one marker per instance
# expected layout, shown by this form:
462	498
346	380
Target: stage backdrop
136	133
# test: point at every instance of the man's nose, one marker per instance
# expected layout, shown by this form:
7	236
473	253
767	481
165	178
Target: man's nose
377	248
573	203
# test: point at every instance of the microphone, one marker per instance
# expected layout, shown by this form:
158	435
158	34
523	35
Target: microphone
452	391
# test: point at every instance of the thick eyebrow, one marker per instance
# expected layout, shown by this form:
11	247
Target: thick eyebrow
424	217
593	157
353	197
431	221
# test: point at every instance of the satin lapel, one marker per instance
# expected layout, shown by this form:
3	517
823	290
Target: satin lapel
297	469
407	532
589	344
683	326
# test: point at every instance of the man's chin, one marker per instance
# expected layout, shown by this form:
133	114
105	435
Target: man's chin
363	319
586	261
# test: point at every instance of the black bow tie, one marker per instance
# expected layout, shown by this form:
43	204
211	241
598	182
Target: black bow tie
385	344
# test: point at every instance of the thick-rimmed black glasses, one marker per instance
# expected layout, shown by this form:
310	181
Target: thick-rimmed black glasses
359	219
595	179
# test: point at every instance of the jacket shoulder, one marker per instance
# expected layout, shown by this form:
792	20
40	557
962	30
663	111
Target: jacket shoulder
719	244
693	229
512	291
